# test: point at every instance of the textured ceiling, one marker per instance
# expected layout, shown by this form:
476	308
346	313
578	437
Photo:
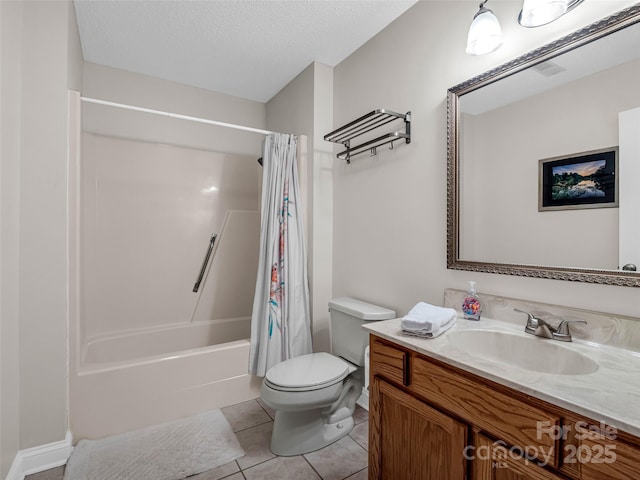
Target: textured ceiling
246	48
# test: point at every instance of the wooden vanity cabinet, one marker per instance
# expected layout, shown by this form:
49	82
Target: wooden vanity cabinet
431	421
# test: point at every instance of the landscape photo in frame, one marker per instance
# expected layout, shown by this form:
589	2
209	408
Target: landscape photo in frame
585	180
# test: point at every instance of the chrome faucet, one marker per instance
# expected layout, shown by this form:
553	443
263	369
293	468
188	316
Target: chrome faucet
540	328
536	326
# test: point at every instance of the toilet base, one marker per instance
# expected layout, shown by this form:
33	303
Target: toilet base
296	433
300	428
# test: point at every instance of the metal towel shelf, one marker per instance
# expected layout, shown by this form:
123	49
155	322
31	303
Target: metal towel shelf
365	124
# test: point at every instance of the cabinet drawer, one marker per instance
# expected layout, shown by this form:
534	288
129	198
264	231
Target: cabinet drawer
389	362
502	416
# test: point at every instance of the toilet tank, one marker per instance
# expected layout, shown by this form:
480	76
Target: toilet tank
348	339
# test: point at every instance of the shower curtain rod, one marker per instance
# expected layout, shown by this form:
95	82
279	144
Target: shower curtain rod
175	115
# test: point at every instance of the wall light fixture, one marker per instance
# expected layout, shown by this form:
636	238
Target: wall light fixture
485	34
536	13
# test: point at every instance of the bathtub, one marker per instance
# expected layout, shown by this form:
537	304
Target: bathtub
134	253
128	381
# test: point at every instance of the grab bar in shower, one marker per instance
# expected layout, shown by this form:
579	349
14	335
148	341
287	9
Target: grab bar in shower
212	242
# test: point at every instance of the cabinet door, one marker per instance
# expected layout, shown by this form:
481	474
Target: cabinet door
491	462
410	440
601	457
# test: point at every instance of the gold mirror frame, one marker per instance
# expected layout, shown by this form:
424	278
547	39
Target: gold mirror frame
575	40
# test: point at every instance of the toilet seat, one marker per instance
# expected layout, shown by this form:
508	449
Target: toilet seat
308	372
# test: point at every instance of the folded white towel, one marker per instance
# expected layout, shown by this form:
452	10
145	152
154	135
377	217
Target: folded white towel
428	318
431	334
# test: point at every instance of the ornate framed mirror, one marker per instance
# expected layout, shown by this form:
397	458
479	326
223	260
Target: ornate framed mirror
567	99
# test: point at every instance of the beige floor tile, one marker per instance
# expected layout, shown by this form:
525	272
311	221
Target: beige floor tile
235	476
269	410
51	474
245	415
223	471
255	442
361	475
282	468
360	415
338	460
360	434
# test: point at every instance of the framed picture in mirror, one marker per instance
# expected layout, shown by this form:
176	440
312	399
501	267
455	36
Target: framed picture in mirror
583	180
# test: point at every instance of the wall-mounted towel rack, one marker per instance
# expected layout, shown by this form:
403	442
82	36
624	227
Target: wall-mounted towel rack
367	123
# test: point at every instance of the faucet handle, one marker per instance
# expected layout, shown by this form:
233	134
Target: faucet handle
536	326
563	328
531	319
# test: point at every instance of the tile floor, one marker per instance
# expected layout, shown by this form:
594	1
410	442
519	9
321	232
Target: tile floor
252	422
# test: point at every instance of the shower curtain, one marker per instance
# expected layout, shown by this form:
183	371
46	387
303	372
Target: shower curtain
280	323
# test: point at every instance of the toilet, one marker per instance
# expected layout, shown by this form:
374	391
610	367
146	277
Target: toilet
314	395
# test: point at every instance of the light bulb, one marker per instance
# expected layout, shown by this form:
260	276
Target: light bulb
536	13
485	34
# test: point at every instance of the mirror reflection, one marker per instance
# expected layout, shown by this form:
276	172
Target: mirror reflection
556	112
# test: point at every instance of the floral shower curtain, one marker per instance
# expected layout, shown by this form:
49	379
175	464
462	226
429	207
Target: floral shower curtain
280	323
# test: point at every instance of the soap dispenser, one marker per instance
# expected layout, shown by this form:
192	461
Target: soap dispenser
471	307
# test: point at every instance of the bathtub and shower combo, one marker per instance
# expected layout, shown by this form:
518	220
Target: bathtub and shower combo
163	255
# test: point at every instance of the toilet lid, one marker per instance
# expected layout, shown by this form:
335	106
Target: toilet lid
310	370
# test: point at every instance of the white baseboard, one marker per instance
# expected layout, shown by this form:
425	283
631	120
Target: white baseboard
38	459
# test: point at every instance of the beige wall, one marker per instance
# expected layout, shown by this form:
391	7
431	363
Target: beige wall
10	31
390	210
499	205
304	107
40	59
46	74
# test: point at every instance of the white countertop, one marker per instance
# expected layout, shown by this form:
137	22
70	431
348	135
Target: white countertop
611	394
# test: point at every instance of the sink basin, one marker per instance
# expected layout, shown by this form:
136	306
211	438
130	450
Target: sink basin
528	353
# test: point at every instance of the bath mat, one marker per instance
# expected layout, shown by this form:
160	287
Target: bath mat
170	451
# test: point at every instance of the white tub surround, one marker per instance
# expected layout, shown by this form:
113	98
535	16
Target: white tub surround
610	394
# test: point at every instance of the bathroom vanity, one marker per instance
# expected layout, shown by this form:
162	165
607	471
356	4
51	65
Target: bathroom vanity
440	409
